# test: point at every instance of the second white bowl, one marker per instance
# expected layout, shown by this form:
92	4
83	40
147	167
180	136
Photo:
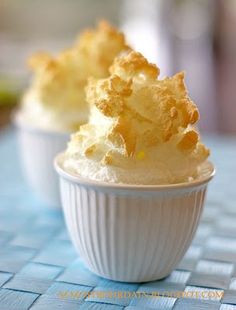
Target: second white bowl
38	148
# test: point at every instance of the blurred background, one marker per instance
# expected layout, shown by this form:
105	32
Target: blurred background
198	36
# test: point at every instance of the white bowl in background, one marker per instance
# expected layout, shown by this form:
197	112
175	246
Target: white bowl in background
38	147
131	233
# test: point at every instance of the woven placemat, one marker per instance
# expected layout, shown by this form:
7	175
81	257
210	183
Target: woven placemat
40	270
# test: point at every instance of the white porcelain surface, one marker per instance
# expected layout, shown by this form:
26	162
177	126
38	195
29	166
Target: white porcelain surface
38	149
130	233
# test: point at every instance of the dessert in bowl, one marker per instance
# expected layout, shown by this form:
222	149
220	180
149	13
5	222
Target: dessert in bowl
54	106
133	179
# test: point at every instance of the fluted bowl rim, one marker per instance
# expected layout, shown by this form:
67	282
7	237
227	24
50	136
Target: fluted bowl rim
209	173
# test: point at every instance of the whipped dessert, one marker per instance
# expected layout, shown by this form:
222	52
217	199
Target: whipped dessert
56	98
141	129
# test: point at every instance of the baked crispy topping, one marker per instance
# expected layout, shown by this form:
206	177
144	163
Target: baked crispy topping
134	65
90	150
133	113
113	92
59	81
122	134
188	141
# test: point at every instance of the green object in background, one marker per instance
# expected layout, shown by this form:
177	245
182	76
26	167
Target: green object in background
9	94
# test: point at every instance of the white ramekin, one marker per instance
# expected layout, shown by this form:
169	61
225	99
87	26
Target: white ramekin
38	148
131	233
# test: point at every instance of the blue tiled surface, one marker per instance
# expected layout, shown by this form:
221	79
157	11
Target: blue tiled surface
40	270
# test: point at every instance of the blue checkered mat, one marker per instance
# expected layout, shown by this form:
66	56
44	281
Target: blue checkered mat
40	270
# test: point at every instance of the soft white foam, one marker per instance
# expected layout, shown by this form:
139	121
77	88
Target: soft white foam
35	114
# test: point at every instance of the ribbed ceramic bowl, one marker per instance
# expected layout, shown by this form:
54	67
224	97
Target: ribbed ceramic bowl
38	148
131	233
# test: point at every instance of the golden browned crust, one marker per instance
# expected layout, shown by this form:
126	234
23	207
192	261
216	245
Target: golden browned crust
89	151
144	110
115	90
122	134
39	60
60	80
134	112
134	64
102	45
188	141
